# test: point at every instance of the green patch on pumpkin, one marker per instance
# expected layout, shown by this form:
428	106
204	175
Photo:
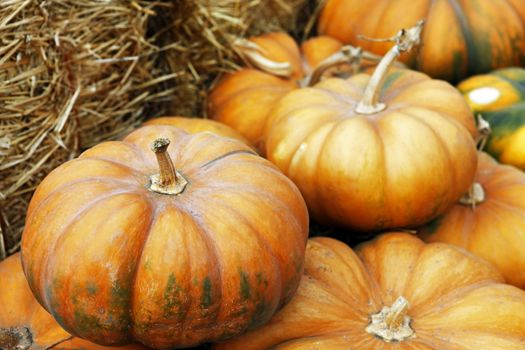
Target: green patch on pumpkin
206	298
171	297
504	123
245	285
390	80
91	288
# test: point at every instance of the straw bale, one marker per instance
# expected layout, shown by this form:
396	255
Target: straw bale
72	73
202	40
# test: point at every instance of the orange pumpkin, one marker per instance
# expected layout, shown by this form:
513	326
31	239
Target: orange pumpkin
394	153
194	125
210	246
461	38
396	293
244	98
24	324
489	220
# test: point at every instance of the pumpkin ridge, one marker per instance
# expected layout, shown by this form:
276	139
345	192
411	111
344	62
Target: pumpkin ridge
386	183
264	86
318	188
263	242
115	163
453	181
59	238
464	26
107	180
132	325
448	298
326	288
212	249
226	155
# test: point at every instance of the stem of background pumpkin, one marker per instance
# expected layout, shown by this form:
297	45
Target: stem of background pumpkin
19	338
484	132
476	193
168	181
346	55
255	55
405	39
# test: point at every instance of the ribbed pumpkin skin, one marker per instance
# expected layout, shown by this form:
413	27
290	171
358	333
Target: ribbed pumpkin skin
19	308
243	99
500	98
396	168
115	262
193	125
456	300
493	229
460	37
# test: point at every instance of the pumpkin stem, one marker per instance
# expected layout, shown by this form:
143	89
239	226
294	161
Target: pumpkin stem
391	323
405	39
16	338
255	55
169	180
474	196
484	132
346	55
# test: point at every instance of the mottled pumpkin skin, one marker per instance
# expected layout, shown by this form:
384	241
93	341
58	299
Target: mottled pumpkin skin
500	98
460	38
399	167
115	262
243	99
493	229
19	308
456	300
193	125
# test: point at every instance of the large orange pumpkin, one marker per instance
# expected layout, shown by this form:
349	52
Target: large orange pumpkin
396	293
209	247
243	99
194	125
489	221
460	38
24	324
394	153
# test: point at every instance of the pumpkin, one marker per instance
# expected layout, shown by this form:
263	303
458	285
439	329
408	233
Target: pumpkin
489	220
210	245
461	38
193	125
24	324
244	98
394	153
394	292
500	98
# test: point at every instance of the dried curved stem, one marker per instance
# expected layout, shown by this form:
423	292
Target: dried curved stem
348	54
168	181
256	56
405	39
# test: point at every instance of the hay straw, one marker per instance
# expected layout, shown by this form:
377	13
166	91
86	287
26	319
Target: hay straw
72	73
201	41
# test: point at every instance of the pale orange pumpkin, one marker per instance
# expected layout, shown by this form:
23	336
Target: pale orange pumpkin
194	125
489	220
396	293
24	324
375	152
243	99
461	38
210	246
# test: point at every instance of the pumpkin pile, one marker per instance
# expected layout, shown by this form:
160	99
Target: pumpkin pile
192	232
